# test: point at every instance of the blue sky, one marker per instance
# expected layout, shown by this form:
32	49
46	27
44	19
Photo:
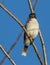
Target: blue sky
9	31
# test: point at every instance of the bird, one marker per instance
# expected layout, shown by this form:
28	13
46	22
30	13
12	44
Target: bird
32	27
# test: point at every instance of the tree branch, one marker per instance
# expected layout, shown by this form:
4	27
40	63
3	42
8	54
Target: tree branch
43	48
18	21
7	55
30	6
12	47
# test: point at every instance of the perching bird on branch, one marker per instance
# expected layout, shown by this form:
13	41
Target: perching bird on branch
32	27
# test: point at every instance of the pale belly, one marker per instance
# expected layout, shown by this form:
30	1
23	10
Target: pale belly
33	27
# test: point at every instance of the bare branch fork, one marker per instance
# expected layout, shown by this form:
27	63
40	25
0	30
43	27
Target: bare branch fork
7	55
16	19
14	44
30	5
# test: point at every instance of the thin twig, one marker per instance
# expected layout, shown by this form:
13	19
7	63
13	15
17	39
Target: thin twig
43	48
22	26
12	47
35	4
30	6
7	55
